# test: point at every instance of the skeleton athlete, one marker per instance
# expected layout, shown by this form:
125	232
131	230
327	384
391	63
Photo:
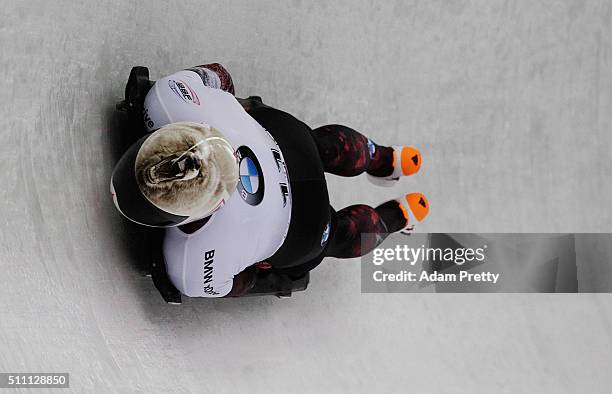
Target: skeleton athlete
240	184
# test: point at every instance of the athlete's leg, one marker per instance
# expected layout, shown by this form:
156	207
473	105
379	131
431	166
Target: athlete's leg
346	152
216	76
355	220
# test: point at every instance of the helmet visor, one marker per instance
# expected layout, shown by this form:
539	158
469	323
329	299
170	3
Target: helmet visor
185	170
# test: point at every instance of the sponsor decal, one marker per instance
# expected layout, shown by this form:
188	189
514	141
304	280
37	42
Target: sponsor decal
371	148
284	192
251	182
278	158
208	272
147	119
183	91
326	232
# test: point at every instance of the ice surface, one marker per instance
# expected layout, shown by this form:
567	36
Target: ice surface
509	102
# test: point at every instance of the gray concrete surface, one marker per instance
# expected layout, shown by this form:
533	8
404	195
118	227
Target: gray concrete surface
508	100
598	249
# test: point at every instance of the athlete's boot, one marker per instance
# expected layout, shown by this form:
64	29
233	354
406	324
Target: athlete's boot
414	206
401	214
406	162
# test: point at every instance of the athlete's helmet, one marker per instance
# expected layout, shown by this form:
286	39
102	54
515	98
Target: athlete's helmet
178	174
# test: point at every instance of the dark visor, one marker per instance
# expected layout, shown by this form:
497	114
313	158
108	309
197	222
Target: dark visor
129	199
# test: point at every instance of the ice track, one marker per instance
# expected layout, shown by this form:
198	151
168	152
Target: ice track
509	102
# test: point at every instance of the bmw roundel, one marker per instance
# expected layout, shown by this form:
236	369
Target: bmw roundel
251	182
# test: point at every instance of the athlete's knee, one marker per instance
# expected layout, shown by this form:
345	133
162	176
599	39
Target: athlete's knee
343	150
352	223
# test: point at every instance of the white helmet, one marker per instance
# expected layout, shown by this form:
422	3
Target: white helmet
178	174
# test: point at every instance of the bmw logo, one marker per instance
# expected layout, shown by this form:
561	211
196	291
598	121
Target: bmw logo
251	183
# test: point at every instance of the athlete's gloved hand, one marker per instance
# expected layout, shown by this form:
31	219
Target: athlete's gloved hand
263	265
243	282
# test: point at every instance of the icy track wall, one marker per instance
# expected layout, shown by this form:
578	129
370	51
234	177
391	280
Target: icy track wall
509	101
